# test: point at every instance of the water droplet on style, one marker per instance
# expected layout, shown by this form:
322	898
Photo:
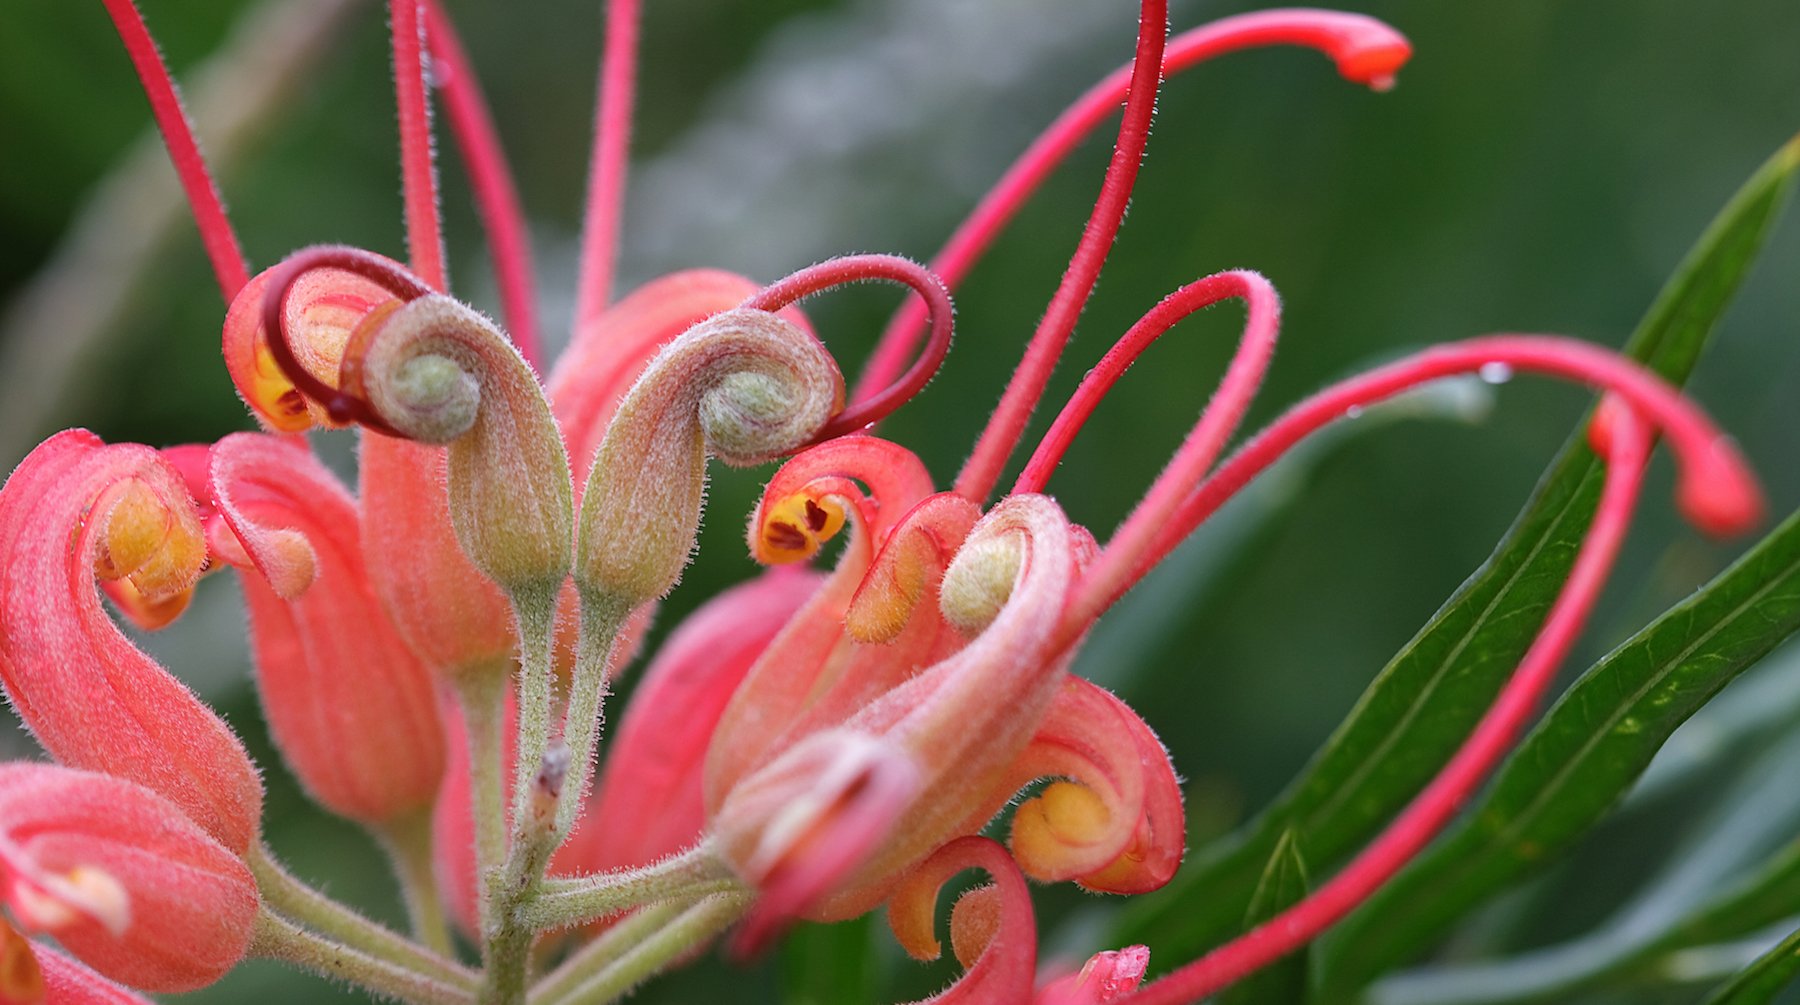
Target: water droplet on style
1495	373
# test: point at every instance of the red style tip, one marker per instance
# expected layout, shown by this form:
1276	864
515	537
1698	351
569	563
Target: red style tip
1718	494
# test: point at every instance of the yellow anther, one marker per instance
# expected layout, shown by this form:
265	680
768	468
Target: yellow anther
275	397
794	528
20	978
159	548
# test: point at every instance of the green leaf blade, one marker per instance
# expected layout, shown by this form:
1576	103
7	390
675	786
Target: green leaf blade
1581	758
1424	702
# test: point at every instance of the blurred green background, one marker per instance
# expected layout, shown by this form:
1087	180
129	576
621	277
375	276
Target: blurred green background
1541	167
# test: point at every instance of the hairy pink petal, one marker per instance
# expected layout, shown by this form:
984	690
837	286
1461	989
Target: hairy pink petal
92	698
185	903
352	709
1116	825
998	945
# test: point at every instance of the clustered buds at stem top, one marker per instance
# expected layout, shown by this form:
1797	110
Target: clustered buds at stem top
121	877
74	512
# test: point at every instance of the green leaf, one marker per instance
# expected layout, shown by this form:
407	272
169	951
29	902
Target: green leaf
1424	703
827	964
1764	979
1283	885
1581	758
1736	873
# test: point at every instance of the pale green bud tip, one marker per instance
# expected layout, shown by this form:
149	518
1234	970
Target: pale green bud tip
980	581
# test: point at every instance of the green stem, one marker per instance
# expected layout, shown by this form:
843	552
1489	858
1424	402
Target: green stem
533	807
277	938
407	842
284	893
564	903
601	620
689	929
482	694
605	949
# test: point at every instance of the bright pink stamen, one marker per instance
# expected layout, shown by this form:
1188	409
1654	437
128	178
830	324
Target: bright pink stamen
996	444
496	196
1227	407
390	275
1434	807
1365	50
418	173
612	142
863	268
1715	491
221	242
1120	563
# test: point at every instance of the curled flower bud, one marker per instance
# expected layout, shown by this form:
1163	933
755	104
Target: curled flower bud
75	511
745	386
122	878
321	310
437	372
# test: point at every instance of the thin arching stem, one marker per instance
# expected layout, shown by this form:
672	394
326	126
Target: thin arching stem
868	268
612	145
221	242
1222	414
418	172
1420	821
997	441
1365	50
490	180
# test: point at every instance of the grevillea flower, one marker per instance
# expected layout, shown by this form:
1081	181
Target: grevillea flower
123	879
807	745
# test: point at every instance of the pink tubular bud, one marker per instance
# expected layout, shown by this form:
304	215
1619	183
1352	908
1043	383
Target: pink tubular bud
323	308
122	878
1106	976
745	386
75	511
352	709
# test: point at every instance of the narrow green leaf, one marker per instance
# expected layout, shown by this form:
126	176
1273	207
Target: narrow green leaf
1581	758
1283	884
1772	972
1423	704
1736	872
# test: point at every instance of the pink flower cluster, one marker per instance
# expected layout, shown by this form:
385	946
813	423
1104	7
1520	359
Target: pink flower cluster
433	649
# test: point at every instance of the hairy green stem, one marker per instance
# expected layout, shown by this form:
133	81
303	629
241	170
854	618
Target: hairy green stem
563	903
292	898
605	949
648	957
407	842
482	693
602	618
277	938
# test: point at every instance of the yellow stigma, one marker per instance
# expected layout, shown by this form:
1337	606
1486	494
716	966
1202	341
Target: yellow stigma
275	397
794	528
158	548
1064	818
